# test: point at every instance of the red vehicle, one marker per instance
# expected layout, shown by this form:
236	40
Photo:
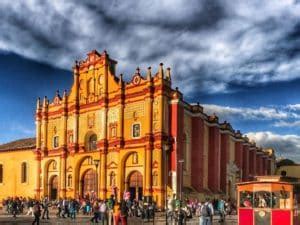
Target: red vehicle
270	200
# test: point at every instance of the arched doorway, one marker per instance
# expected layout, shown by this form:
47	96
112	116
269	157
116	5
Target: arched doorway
135	185
53	187
88	183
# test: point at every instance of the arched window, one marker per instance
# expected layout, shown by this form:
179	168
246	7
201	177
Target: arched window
92	143
24	172
69	180
1	173
112	179
55	142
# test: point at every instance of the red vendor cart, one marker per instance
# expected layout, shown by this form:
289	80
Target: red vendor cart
270	200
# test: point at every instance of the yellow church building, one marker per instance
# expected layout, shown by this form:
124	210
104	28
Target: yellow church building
107	136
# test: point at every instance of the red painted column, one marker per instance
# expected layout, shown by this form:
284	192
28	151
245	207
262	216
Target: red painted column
239	154
252	166
224	160
258	165
176	131
264	165
245	162
269	166
197	153
214	159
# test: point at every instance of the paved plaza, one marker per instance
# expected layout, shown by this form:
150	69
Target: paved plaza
26	220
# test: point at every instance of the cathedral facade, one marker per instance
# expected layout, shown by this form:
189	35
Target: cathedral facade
110	137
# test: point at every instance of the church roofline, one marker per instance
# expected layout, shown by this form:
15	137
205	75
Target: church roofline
20	144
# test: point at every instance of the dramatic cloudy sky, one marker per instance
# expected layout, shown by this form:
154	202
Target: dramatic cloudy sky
240	59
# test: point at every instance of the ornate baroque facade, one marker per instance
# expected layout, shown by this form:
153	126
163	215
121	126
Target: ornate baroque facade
107	136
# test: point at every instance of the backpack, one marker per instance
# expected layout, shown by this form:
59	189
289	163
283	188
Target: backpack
205	210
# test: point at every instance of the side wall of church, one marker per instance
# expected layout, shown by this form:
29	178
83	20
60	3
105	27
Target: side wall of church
12	183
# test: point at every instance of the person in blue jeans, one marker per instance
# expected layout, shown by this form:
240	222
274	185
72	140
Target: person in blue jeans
206	213
221	209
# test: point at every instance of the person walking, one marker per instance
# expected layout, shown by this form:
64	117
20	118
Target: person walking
103	212
59	205
206	213
65	208
14	207
45	205
124	213
96	209
110	209
221	209
36	213
73	208
117	214
30	208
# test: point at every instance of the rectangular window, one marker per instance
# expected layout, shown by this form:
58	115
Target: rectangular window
136	130
56	142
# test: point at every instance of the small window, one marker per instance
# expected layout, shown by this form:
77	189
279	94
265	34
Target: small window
283	173
246	199
69	180
24	172
136	130
1	173
113	131
262	199
56	142
92	142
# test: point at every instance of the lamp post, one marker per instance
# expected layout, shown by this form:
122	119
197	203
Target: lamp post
166	148
96	163
181	161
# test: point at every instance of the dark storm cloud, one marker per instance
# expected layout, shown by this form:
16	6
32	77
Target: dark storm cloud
210	44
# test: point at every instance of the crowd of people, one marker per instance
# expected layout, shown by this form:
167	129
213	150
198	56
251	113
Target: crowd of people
181	211
107	211
113	212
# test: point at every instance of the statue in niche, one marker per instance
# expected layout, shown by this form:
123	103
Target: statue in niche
112	179
154	179
135	159
91	121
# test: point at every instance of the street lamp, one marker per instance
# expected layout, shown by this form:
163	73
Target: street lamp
96	163
166	148
181	161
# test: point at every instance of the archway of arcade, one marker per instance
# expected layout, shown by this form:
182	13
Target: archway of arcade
88	183
132	175
51	179
135	185
86	178
53	187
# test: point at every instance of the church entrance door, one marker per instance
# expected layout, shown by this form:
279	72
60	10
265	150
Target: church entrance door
53	187
88	183
135	181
